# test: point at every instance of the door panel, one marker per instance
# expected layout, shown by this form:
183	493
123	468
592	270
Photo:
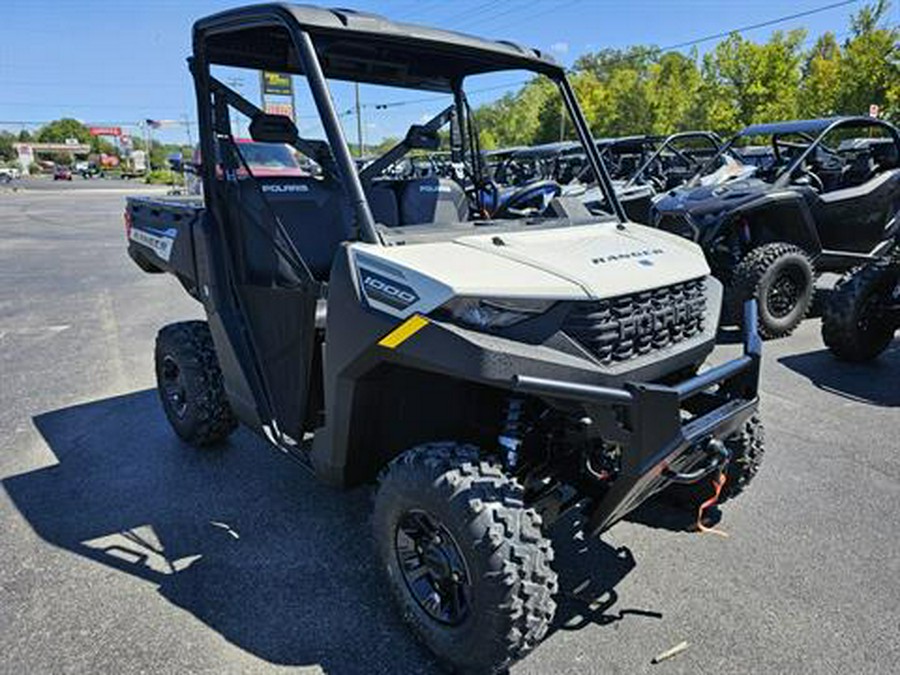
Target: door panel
853	219
275	307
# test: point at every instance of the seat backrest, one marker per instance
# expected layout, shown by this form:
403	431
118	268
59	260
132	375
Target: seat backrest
382	198
886	156
859	169
432	200
315	213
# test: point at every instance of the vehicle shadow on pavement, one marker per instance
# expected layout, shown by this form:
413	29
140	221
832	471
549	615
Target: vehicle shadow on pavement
874	382
589	570
239	536
248	542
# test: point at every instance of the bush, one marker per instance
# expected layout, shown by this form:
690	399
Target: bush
162	177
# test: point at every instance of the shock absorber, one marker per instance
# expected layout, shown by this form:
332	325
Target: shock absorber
510	438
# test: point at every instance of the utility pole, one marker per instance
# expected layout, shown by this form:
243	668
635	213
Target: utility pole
359	124
146	129
236	83
562	120
187	128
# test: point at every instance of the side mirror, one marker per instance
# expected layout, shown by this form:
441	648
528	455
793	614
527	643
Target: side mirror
266	128
421	138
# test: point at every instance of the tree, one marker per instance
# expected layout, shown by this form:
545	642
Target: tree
25	136
820	90
7	151
739	82
673	91
385	145
59	130
870	67
761	81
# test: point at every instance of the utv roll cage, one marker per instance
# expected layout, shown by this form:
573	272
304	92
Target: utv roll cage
668	143
340	44
813	129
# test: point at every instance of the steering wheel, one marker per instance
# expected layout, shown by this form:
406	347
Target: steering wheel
527	198
806	172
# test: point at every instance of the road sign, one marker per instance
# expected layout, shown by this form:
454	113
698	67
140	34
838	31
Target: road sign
874	110
105	131
286	109
276	84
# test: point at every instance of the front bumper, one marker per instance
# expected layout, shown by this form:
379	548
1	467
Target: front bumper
658	447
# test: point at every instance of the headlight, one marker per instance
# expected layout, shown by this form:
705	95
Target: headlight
494	312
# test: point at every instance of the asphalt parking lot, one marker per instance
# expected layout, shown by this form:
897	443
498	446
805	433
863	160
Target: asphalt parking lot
122	550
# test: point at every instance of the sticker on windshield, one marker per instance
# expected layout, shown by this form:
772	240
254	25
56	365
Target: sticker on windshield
159	241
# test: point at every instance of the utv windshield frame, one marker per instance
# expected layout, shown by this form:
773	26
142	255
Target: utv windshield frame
815	130
322	44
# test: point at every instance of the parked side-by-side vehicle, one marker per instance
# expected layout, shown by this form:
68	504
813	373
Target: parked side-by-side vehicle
825	197
489	370
863	312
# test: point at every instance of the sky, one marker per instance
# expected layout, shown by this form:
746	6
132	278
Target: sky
119	61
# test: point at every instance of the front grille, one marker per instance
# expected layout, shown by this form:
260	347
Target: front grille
622	328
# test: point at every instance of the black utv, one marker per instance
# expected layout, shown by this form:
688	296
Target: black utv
863	311
823	198
490	374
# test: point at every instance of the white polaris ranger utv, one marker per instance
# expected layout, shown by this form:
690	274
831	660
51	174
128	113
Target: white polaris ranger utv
490	369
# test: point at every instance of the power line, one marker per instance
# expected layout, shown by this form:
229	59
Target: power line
762	24
528	16
669	48
480	8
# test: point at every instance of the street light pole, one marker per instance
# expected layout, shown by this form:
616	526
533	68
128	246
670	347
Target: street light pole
359	124
146	129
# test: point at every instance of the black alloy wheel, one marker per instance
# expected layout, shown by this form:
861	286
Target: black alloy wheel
433	567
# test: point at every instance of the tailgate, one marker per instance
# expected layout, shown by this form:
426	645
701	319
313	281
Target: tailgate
160	234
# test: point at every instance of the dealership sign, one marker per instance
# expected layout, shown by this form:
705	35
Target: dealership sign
276	84
105	131
286	109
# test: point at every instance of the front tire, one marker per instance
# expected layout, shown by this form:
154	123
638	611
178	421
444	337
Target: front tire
782	280
852	327
747	448
466	561
190	384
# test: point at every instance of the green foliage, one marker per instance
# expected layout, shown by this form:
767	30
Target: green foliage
7	151
59	130
820	90
385	145
870	66
642	90
758	82
162	177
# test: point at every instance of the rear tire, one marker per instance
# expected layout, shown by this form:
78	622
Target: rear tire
747	448
782	280
190	385
504	583
851	326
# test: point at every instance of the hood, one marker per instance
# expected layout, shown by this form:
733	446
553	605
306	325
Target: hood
602	260
574	263
702	200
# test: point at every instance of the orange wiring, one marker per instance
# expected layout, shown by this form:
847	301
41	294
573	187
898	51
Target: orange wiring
718	484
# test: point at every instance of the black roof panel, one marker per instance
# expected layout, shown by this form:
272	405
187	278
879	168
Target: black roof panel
815	126
359	46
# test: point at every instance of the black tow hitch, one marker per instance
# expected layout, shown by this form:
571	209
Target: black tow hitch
719	456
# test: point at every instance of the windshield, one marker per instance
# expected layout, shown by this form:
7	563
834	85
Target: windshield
424	158
765	157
